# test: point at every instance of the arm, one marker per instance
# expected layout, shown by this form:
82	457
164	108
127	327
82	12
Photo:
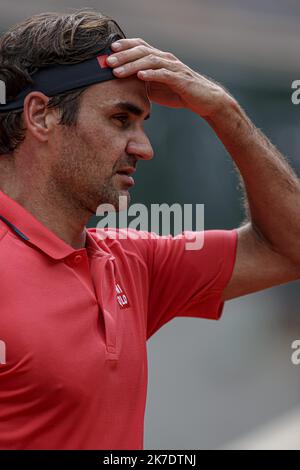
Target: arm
268	251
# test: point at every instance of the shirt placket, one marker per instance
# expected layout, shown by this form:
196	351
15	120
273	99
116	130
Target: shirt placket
103	274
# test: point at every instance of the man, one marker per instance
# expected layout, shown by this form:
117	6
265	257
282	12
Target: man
76	307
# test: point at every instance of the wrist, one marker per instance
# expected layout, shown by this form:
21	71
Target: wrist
225	107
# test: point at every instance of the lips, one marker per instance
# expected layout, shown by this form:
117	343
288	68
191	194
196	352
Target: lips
126	171
125	176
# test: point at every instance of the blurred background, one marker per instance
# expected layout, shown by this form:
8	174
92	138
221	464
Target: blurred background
228	384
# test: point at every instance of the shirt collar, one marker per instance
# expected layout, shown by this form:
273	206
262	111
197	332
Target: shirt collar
33	232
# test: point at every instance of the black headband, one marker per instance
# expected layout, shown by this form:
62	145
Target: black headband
55	79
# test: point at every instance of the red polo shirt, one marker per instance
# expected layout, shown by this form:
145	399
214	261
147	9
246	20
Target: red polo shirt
74	325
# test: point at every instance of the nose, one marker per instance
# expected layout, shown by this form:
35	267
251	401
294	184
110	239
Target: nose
140	146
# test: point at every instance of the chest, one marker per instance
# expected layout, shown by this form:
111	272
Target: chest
69	332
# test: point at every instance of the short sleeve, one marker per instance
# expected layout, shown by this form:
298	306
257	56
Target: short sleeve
189	282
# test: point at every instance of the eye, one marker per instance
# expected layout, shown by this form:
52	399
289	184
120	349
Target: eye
123	118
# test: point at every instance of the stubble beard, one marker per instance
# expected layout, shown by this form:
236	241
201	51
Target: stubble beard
108	194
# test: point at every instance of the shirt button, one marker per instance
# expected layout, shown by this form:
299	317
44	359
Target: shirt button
77	259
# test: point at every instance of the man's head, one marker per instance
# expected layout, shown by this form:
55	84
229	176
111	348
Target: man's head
72	144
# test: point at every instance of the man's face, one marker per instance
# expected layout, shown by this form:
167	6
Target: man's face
94	159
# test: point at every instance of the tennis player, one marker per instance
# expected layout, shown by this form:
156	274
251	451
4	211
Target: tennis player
77	307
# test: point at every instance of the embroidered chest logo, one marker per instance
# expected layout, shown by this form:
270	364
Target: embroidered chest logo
2	352
121	297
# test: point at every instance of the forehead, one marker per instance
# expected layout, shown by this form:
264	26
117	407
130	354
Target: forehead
106	94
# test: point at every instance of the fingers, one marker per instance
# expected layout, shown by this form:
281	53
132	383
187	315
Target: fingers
123	44
129	48
135	55
145	63
160	75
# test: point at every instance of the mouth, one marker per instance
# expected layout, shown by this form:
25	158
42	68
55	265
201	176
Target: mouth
125	175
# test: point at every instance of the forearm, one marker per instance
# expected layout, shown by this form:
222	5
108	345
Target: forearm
272	188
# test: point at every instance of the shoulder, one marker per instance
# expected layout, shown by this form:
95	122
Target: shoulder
124	240
206	243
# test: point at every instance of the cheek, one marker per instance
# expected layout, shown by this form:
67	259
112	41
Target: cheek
101	141
93	131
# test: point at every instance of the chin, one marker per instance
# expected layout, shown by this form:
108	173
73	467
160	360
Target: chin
119	201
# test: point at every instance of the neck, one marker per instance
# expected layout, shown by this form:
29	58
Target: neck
58	213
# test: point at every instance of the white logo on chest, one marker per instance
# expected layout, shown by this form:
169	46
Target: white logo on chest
121	297
2	352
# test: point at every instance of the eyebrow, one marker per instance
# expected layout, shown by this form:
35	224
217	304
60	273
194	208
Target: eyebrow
131	108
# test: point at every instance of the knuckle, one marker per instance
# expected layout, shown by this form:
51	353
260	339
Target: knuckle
144	49
153	58
140	41
170	56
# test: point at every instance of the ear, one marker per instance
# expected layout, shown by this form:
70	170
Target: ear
38	119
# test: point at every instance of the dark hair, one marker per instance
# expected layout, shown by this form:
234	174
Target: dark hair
45	39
